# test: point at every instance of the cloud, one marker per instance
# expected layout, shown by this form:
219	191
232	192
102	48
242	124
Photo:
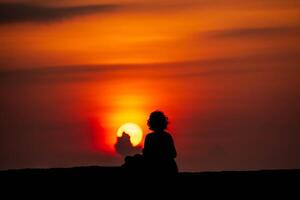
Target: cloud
235	65
21	12
58	74
256	32
26	11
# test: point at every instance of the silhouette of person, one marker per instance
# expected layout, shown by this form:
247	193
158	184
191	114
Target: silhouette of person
159	150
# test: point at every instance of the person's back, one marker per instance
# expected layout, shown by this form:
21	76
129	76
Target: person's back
159	146
159	149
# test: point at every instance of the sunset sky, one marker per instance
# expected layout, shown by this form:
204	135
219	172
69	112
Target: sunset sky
225	72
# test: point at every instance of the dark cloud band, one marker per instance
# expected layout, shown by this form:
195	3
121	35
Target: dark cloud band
16	12
257	32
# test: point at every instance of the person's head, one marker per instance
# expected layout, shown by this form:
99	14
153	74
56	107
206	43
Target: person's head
157	121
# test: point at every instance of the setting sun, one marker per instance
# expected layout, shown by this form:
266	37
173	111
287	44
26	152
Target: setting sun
133	130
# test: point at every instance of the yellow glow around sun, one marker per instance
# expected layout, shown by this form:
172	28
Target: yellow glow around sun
133	130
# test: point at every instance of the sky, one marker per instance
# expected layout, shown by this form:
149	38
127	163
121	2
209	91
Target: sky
225	72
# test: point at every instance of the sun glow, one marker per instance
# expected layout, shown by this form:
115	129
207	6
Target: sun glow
133	130
125	100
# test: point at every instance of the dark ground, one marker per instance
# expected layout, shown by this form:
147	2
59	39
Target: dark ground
100	180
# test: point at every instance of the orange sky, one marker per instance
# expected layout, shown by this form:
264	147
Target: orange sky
224	71
148	32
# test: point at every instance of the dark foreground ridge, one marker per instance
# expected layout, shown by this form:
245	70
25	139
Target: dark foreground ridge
100	178
98	172
117	171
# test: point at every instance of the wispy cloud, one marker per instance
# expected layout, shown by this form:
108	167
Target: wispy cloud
25	11
58	74
20	12
256	32
235	65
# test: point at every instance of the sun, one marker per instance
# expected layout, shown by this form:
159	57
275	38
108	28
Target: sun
133	130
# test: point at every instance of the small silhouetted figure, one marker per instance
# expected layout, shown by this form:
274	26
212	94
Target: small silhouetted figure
159	151
124	146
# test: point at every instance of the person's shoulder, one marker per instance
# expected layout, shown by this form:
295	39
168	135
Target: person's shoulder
167	134
150	135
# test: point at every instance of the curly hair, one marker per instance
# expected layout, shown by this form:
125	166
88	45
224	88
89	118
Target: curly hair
158	121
